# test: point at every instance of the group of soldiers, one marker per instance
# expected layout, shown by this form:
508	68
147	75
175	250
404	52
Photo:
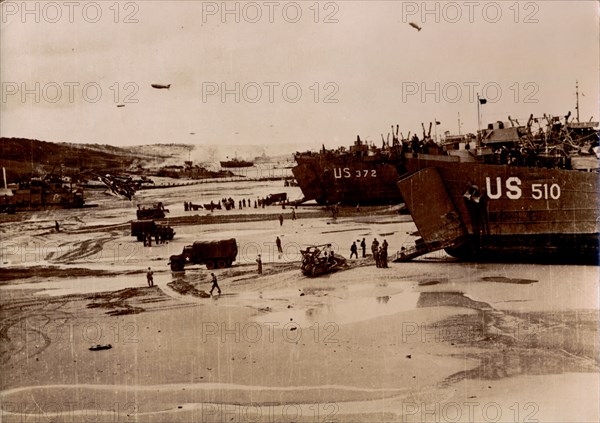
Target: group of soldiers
380	252
159	235
229	204
189	206
258	203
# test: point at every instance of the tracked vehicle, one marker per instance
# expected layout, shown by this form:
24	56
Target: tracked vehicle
320	259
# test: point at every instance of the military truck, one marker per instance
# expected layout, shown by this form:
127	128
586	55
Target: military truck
213	254
275	198
153	211
141	228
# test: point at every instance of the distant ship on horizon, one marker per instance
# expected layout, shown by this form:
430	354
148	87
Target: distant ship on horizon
236	163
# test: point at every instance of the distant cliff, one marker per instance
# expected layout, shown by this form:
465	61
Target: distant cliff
22	156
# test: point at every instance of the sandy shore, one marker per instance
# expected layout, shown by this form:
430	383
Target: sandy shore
429	340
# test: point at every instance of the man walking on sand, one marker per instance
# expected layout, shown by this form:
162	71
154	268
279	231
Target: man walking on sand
259	263
214	284
150	277
278	243
280	220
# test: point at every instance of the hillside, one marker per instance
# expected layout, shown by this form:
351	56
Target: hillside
22	157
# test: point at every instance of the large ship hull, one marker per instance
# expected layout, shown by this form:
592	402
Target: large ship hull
519	213
351	182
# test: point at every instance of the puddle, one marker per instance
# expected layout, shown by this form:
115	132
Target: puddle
451	299
430	282
353	309
502	279
82	285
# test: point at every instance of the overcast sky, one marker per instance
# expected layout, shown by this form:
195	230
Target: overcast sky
360	72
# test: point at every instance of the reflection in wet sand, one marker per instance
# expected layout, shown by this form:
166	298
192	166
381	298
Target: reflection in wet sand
356	306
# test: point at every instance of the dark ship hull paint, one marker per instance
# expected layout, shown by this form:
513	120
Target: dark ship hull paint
348	181
236	163
526	213
543	248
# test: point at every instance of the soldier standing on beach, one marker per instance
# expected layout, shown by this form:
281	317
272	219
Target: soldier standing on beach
293	214
375	251
353	250
374	246
280	220
363	245
382	257
259	263
278	243
150	277
214	284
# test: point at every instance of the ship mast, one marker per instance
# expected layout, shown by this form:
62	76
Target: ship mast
478	115
577	99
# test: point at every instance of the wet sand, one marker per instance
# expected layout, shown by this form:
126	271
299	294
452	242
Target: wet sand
429	340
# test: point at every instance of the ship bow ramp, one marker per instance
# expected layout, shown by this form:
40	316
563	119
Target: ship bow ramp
433	212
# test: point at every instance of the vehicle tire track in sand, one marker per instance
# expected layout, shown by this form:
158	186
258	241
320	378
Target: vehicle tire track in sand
25	337
85	249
